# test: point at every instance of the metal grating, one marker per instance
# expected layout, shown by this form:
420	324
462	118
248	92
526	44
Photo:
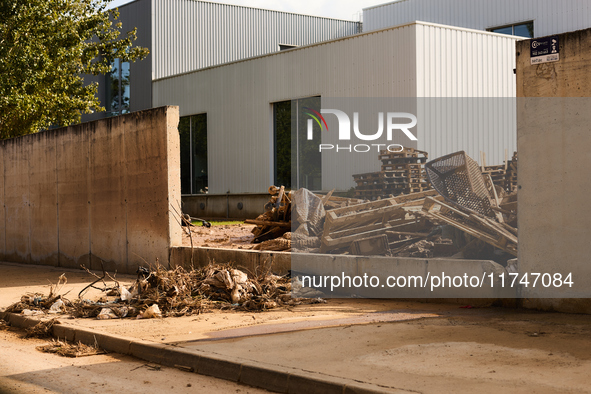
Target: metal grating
457	177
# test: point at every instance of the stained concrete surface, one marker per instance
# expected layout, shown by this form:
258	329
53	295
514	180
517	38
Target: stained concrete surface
554	146
101	191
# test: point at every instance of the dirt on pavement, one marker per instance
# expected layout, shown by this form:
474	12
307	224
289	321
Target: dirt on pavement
231	236
486	350
404	345
23	369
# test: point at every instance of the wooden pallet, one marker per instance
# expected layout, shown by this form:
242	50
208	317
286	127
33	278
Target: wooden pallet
405	160
499	235
402	167
406	174
401	173
407	152
346	225
511	175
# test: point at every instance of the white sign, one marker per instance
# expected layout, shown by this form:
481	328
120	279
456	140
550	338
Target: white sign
545	59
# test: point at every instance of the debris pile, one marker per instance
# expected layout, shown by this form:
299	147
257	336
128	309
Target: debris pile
66	349
467	214
276	220
392	217
332	202
504	175
511	174
32	304
473	202
42	329
178	292
302	209
282	243
401	173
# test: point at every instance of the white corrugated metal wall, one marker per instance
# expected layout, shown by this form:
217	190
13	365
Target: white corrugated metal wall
237	97
188	35
549	16
468	86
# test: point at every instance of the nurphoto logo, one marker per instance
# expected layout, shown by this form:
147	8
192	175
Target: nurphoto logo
395	122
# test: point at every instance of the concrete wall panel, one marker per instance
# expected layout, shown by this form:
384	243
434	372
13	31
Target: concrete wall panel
16	201
93	192
554	142
173	146
108	221
73	200
147	187
43	198
2	207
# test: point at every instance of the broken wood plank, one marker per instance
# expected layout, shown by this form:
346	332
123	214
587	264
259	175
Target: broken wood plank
407	233
477	233
267	223
328	243
494	227
371	246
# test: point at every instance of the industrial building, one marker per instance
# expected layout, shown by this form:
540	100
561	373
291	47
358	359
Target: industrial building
234	71
187	35
526	18
411	61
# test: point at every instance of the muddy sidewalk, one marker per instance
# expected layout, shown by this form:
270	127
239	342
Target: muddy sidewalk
376	345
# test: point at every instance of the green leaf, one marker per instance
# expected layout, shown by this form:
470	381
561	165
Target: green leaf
45	49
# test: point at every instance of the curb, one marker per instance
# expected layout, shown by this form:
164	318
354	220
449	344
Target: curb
273	378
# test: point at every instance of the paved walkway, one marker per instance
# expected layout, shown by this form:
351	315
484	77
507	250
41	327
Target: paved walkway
344	346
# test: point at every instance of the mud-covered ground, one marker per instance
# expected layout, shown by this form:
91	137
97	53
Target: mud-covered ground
232	236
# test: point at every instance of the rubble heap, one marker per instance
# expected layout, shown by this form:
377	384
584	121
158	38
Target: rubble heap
504	175
465	216
276	220
177	292
465	211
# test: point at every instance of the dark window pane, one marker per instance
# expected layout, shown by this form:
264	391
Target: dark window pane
124	87
310	160
114	106
282	117
285	47
504	30
199	136
184	132
525	30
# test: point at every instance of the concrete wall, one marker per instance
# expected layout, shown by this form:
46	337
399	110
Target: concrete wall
314	264
98	191
235	206
568	77
554	145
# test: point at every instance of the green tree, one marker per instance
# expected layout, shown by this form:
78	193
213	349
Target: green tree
46	46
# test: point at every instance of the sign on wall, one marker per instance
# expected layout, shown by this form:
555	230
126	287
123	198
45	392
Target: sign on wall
544	50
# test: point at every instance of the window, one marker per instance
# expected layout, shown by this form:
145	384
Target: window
522	29
297	160
193	136
118	92
284	47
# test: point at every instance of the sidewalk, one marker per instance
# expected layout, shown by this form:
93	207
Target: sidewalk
344	346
